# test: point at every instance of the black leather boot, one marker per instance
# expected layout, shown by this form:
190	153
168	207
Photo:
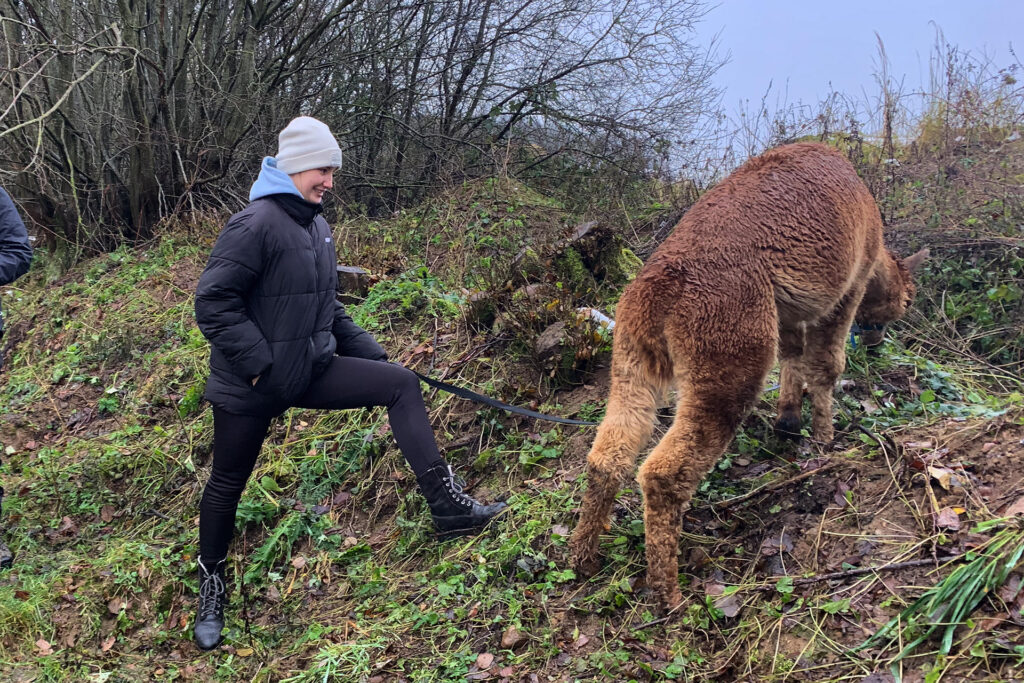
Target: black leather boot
453	511
213	595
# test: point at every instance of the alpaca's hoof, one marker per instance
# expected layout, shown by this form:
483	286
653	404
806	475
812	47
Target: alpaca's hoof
584	565
824	433
788	427
669	600
827	441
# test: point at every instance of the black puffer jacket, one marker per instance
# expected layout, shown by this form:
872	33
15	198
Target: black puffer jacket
266	302
15	251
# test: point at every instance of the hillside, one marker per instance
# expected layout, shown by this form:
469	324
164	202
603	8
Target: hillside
793	554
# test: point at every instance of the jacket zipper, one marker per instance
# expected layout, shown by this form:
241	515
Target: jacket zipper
316	281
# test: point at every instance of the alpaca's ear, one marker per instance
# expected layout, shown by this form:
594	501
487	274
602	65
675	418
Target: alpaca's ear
913	262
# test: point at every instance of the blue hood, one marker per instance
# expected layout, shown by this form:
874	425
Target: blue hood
272	180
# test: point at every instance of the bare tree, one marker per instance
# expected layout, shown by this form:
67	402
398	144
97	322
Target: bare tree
116	113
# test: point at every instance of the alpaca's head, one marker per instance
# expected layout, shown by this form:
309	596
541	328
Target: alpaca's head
888	295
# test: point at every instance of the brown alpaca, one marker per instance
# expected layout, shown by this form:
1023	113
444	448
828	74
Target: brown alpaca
778	259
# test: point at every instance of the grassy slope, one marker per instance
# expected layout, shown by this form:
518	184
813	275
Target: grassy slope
107	447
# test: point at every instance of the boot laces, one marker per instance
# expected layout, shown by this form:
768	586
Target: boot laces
211	593
454	487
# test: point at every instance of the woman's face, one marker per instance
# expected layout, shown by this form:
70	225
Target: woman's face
312	184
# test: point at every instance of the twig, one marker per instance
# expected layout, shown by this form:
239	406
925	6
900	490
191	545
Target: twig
864	570
433	356
660	620
653	622
771	486
803	581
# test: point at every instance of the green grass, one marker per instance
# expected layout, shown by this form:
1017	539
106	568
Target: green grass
336	572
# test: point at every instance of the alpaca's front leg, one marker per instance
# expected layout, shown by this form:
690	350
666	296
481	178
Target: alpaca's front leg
824	360
791	380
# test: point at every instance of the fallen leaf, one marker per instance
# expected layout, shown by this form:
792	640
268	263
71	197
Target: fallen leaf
299	562
714	588
840	494
244	652
507	672
987	446
581	641
944	476
729	604
107	643
511	637
990	623
868	406
877	677
561	530
484	660
947	519
67	526
44	647
1011	590
341	497
1016	509
772	545
918	444
107	513
116	605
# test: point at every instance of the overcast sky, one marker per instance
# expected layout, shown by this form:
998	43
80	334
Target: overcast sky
803	46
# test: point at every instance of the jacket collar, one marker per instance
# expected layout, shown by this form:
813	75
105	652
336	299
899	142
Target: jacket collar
297	208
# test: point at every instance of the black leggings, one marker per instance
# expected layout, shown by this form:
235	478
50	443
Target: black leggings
347	383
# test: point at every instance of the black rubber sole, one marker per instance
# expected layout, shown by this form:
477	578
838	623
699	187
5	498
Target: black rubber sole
464	526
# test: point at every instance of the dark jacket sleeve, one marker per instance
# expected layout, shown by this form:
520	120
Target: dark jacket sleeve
354	340
15	251
232	271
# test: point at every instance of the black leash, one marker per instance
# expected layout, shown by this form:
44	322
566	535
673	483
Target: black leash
487	400
494	403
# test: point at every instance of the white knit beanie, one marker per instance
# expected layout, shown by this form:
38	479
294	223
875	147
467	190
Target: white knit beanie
306	143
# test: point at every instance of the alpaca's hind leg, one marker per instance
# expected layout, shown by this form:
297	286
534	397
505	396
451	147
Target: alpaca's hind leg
670	475
708	414
625	430
824	360
791	380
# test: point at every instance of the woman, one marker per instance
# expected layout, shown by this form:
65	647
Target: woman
15	258
266	302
